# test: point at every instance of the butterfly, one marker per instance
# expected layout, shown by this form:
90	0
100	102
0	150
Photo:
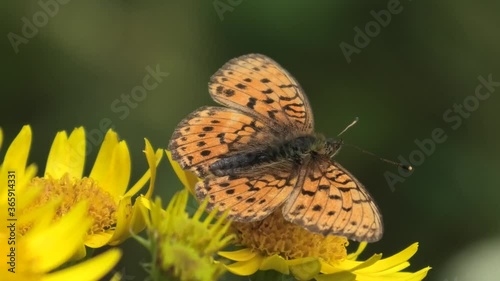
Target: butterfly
259	153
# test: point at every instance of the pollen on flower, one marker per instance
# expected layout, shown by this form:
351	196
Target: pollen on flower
275	235
102	207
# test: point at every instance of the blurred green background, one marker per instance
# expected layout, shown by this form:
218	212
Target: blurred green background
75	68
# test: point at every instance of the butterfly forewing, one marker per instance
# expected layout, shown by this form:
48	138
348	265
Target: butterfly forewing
210	133
259	86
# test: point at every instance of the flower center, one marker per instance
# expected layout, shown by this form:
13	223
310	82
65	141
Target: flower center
275	235
102	207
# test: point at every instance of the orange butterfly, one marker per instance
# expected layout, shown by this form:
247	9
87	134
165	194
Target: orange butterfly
260	153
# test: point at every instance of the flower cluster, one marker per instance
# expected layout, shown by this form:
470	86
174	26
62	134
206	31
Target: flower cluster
64	205
98	210
275	244
183	247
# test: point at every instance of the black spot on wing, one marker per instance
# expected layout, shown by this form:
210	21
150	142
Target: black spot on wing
307	192
229	92
251	102
347	209
240	86
269	100
323	187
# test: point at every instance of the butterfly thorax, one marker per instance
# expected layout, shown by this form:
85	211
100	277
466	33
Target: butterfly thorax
284	152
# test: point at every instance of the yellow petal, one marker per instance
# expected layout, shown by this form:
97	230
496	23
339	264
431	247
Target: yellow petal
29	174
349	265
392	261
14	164
16	156
419	275
375	259
1	138
100	170
72	228
151	158
138	221
146	203
275	262
97	240
67	155
300	261
123	221
238	255
92	269
55	167
245	268
306	270
40	216
78	152
361	248
29	195
391	270
119	168
80	253
187	178
134	224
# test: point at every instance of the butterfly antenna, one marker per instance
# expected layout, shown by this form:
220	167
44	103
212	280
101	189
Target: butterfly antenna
406	167
349	126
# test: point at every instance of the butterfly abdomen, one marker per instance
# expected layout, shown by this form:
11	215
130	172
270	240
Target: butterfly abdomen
293	151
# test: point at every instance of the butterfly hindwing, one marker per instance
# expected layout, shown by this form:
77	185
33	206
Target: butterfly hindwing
329	200
247	197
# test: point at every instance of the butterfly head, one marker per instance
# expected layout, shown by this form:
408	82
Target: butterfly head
333	146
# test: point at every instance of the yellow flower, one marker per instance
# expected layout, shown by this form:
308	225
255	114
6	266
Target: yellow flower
35	254
110	204
276	244
183	247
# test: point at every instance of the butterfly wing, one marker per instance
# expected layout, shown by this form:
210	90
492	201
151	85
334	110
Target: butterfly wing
249	197
209	133
259	86
332	201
